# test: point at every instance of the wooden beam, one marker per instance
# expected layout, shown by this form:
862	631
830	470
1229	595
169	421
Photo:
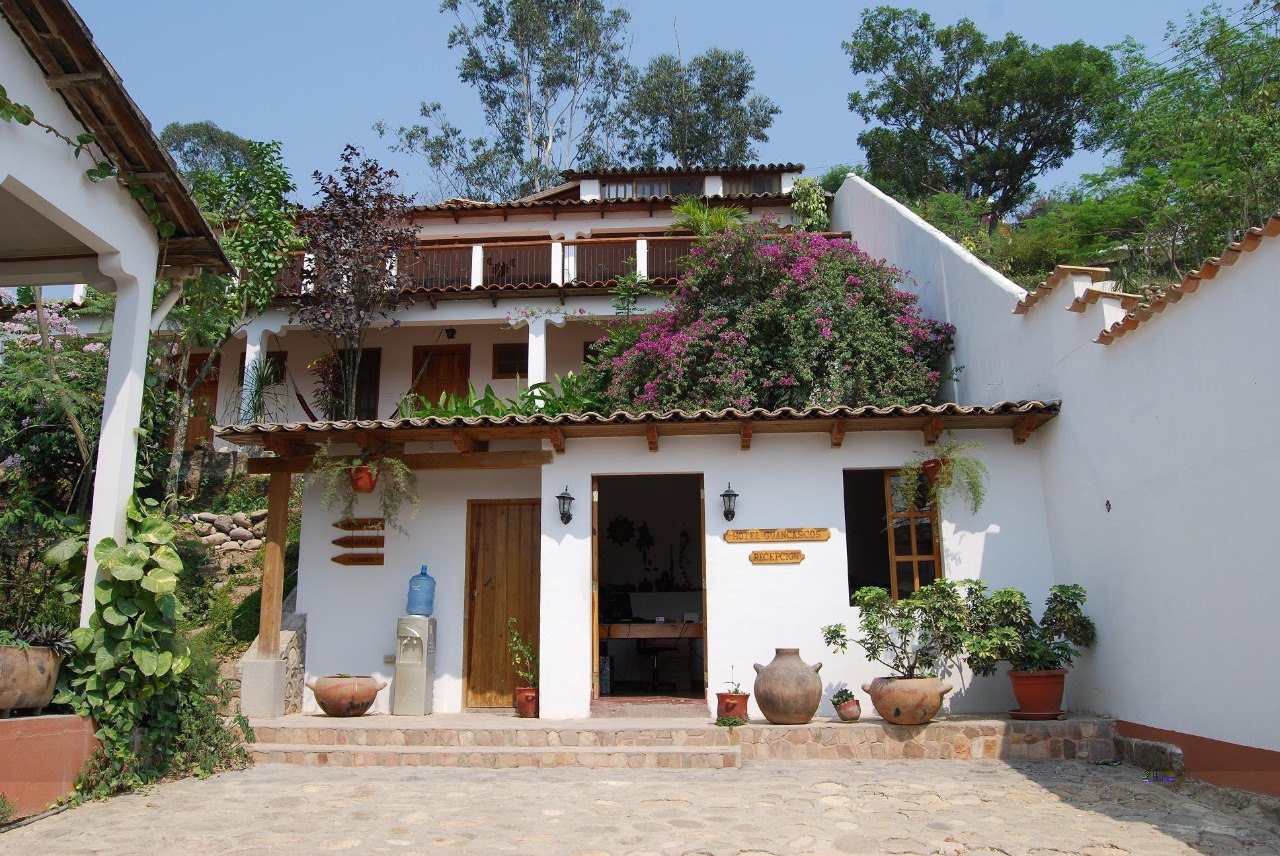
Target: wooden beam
465	442
423	461
556	436
933	430
277	536
79	78
838	429
1023	428
744	432
651	434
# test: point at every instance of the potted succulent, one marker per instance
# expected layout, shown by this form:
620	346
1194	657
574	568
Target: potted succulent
915	637
343	478
346	695
29	661
946	470
525	659
1040	652
847	706
734	702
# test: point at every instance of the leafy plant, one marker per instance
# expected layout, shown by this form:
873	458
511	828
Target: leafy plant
9	639
7	809
915	636
1002	628
730	721
704	219
397	485
809	202
839	697
734	686
957	472
567	394
523	654
39	636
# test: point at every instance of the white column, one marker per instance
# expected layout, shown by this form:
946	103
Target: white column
477	265
122	408
570	262
537	351
254	352
557	263
713	185
642	258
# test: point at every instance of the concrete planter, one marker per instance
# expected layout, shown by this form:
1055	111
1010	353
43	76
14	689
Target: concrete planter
907	701
27	678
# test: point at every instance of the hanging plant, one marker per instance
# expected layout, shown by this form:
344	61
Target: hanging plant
943	471
344	477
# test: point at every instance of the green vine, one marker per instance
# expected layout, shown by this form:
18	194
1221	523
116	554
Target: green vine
809	202
958	472
397	485
12	111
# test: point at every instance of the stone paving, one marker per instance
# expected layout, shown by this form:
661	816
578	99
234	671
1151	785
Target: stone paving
1016	808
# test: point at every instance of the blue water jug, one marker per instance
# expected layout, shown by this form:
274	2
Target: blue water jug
422	593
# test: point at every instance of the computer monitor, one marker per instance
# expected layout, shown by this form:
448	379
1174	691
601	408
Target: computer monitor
617	607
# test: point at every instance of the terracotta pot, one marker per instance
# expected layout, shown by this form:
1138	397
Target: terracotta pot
849	711
788	690
931	468
345	696
907	701
27	677
732	704
1039	694
363	479
527	702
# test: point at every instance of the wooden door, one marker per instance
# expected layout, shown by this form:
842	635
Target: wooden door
503	560
203	414
447	370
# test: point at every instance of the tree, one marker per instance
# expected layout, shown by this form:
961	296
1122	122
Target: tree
697	114
355	235
547	73
203	147
960	112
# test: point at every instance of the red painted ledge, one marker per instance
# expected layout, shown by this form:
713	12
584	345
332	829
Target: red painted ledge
1229	765
40	757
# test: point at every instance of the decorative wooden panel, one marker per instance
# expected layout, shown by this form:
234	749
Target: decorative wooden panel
758	536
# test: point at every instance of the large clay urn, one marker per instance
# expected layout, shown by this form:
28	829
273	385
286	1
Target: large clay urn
907	701
27	677
788	690
345	695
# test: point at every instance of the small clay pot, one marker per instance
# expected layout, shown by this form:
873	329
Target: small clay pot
931	468
732	704
907	701
363	479
527	702
849	711
345	696
1039	693
788	690
27	677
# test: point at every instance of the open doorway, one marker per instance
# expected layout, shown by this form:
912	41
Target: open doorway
650	627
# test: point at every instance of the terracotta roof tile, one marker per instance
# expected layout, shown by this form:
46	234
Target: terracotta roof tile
1061	272
728	169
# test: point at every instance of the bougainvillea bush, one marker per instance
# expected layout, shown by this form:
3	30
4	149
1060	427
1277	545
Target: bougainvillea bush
771	320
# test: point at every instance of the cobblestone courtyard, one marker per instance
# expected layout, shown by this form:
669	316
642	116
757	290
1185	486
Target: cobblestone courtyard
782	808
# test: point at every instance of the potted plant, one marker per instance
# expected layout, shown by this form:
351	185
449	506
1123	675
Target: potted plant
1040	653
945	471
915	637
525	659
29	661
346	695
847	706
343	478
732	704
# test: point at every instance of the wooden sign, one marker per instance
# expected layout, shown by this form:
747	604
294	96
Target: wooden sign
376	541
359	558
359	524
759	536
776	557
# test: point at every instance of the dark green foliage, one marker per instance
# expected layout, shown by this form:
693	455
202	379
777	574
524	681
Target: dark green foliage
1002	628
959	473
524	654
203	147
397	485
916	636
839	697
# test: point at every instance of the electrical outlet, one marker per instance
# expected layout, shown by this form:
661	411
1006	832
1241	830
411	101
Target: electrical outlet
389	659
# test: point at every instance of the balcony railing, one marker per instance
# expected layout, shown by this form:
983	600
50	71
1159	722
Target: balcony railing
517	263
439	267
666	257
599	259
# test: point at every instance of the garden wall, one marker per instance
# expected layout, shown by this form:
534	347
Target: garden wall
40	757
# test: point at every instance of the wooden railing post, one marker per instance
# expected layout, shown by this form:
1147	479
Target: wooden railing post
269	614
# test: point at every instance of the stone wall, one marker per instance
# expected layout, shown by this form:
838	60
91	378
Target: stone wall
293	651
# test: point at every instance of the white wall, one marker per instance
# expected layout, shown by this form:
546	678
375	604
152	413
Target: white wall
784	480
1171	424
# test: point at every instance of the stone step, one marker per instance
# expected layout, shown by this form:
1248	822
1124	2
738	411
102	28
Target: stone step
382	734
346	755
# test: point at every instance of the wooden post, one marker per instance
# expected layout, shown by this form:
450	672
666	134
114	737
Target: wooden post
269	614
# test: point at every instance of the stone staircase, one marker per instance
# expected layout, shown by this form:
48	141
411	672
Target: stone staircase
487	740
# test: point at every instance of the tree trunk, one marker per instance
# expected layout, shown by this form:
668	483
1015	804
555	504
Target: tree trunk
173	479
79	500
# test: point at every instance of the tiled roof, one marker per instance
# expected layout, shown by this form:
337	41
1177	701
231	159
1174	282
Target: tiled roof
958	416
516	204
1159	299
1061	272
496	291
730	169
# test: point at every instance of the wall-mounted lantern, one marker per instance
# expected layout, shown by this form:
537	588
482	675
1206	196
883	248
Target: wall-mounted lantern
565	500
450	333
730	500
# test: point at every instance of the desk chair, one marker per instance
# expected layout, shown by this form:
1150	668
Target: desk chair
654	648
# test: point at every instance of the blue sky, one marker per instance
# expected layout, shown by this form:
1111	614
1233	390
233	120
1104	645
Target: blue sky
316	74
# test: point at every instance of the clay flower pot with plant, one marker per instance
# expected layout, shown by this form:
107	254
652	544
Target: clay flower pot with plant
1040	653
343	478
847	706
525	658
944	471
29	663
732	704
915	637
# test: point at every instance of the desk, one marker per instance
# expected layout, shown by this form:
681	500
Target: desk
653	630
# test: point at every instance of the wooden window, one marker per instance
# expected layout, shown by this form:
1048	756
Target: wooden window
368	375
652	187
510	360
276	362
755	183
687	186
617	189
441	370
890	542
